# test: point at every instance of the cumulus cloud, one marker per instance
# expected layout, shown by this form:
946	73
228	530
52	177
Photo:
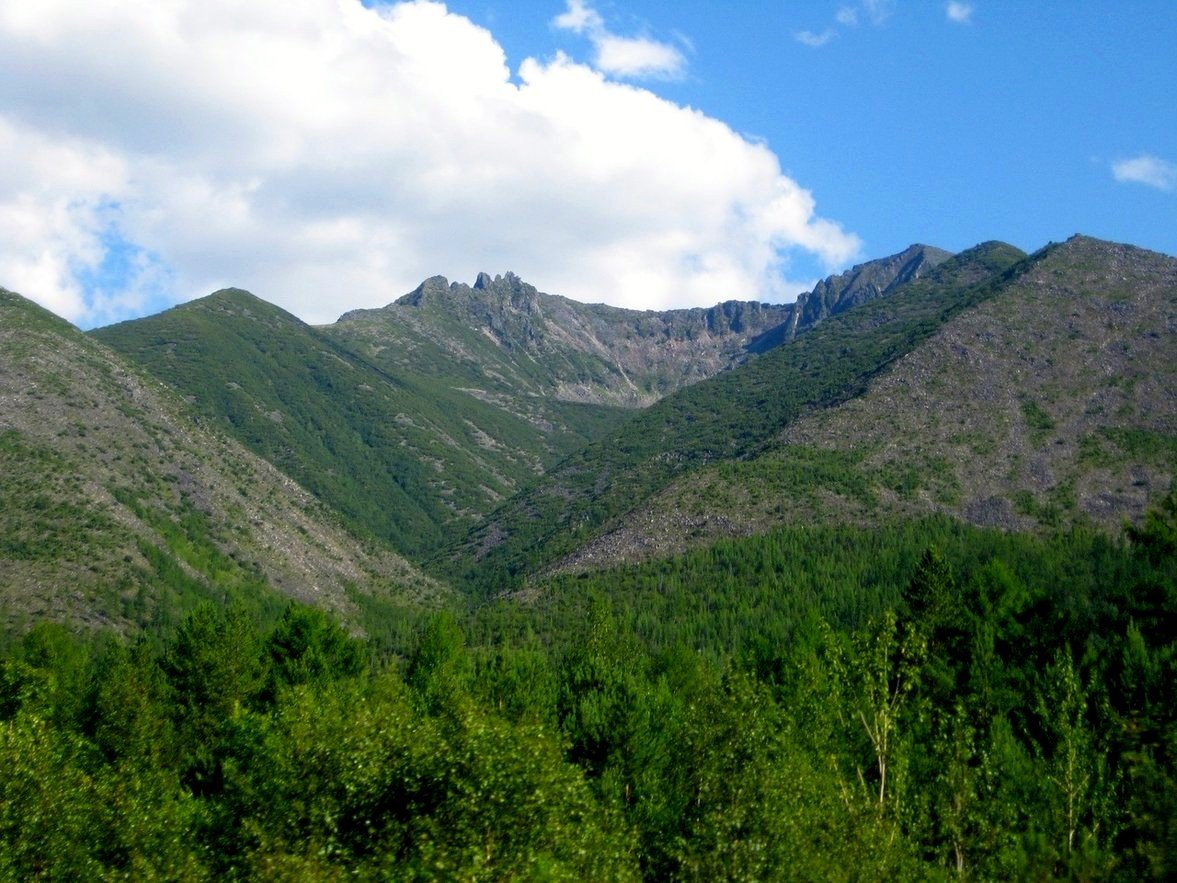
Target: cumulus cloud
1147	169
328	156
628	57
815	41
959	13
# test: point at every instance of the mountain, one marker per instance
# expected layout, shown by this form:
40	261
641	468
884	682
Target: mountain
120	506
404	457
730	417
503	340
857	285
416	420
1049	404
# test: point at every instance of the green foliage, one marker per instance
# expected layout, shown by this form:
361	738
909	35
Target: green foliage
1038	421
919	701
400	455
732	416
307	647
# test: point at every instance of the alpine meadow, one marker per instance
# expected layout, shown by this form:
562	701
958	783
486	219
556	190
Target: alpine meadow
684	572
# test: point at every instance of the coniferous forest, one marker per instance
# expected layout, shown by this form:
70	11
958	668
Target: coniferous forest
921	701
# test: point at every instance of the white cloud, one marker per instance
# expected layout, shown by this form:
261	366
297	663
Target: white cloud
960	13
627	57
1147	169
847	16
579	17
815	41
329	156
637	57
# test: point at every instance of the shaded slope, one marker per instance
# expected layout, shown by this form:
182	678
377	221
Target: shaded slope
733	415
402	456
118	506
1053	402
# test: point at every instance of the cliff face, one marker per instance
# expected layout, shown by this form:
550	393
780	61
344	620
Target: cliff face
502	336
866	282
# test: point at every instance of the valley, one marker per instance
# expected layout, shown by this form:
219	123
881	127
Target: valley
492	584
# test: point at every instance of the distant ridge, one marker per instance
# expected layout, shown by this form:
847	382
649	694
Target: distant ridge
505	336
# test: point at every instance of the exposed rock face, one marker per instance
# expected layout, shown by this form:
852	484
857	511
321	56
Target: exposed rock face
534	344
866	282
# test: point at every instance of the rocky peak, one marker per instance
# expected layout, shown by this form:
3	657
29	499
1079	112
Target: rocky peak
431	288
866	282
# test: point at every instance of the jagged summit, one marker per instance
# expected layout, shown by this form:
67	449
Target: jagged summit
502	336
866	282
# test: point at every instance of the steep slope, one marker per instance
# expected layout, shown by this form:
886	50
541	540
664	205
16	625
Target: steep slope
1053	402
859	284
504	340
117	506
731	416
402	456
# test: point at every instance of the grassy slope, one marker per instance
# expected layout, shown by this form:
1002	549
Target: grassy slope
1046	405
729	417
403	457
117	506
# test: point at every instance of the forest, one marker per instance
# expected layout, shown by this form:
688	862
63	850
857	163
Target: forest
921	700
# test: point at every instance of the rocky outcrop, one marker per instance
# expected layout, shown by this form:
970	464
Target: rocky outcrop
863	283
524	342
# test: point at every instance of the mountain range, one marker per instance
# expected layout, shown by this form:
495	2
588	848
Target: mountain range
490	433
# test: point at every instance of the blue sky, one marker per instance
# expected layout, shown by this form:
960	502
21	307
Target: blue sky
328	154
907	125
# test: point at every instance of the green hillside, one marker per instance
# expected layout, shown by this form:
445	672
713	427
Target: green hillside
119	508
1048	405
731	416
405	458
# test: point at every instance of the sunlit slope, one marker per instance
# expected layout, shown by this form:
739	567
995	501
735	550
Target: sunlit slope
119	506
1051	403
733	416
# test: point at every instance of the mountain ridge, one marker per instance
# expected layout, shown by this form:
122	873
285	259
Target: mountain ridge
1050	421
116	494
727	416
